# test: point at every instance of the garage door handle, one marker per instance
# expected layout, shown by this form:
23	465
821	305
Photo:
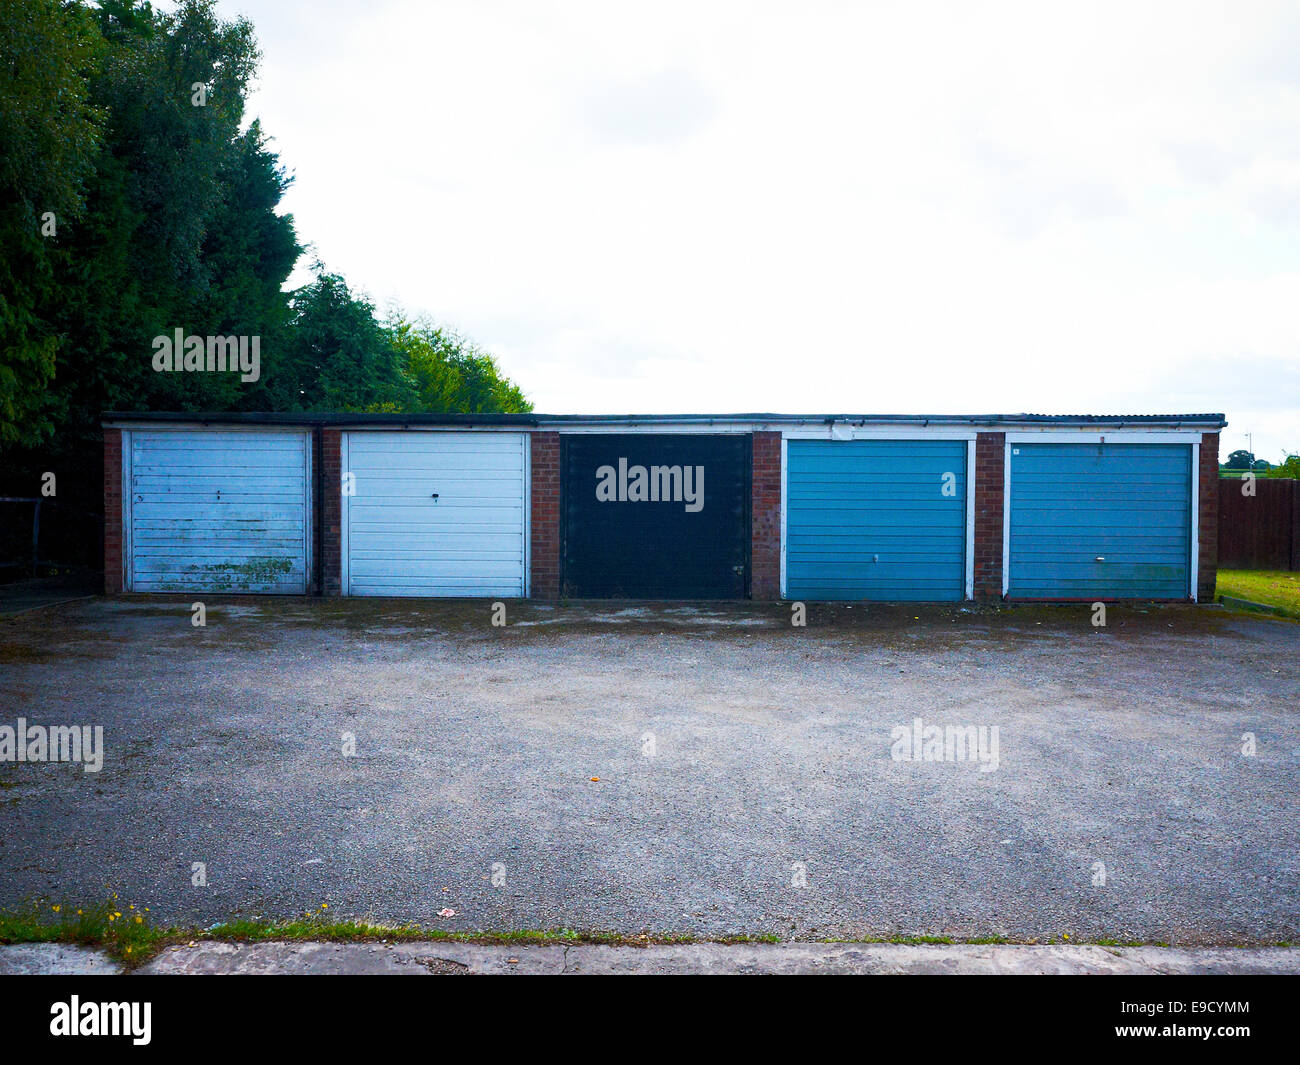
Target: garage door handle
434	496
1100	558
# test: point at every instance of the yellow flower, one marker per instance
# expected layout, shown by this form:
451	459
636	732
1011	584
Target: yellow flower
55	909
78	913
324	905
139	919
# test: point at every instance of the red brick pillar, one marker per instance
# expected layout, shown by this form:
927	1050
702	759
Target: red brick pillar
765	518
331	519
112	511
1208	489
990	466
544	521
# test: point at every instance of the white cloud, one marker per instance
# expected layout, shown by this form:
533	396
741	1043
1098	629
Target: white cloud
888	207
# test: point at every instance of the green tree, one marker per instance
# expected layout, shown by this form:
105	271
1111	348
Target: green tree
148	258
449	373
1289	468
336	355
50	133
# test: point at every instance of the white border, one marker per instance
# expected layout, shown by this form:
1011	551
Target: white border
843	431
970	519
1006	515
526	442
1195	555
1122	436
345	467
785	465
1188	438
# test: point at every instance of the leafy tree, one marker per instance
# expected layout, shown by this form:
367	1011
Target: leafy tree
1289	468
449	373
50	133
1239	460
148	257
336	354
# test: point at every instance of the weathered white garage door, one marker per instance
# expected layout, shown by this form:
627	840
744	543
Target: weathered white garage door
217	511
435	513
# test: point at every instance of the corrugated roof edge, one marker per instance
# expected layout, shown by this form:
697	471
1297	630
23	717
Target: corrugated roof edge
1216	421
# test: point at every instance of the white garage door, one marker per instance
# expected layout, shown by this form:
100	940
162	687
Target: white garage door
435	513
217	510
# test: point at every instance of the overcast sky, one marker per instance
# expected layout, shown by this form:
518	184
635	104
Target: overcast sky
816	207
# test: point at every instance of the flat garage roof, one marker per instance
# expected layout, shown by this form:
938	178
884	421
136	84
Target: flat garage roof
560	421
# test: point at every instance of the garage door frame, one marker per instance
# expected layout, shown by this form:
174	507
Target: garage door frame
901	434
309	502
1190	440
345	576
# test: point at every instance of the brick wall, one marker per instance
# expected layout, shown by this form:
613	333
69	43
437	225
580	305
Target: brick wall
545	520
990	466
112	511
765	518
331	520
1208	558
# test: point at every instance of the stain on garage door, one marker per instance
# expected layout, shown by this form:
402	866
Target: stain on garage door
218	511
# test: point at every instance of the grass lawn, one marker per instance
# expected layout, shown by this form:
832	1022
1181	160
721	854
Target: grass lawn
1279	589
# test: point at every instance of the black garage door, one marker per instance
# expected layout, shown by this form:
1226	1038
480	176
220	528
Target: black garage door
656	516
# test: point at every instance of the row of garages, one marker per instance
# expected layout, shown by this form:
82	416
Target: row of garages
936	509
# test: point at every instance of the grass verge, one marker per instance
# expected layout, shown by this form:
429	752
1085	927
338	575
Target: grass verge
1278	589
123	930
128	937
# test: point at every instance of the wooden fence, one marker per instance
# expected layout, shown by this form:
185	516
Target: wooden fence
1260	531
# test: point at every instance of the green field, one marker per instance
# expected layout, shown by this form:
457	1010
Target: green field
1279	589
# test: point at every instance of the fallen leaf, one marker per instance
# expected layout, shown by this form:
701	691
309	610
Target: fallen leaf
447	912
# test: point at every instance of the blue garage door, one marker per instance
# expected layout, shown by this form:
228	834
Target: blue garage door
1100	521
876	519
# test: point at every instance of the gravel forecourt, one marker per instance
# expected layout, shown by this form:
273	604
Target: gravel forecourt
744	777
